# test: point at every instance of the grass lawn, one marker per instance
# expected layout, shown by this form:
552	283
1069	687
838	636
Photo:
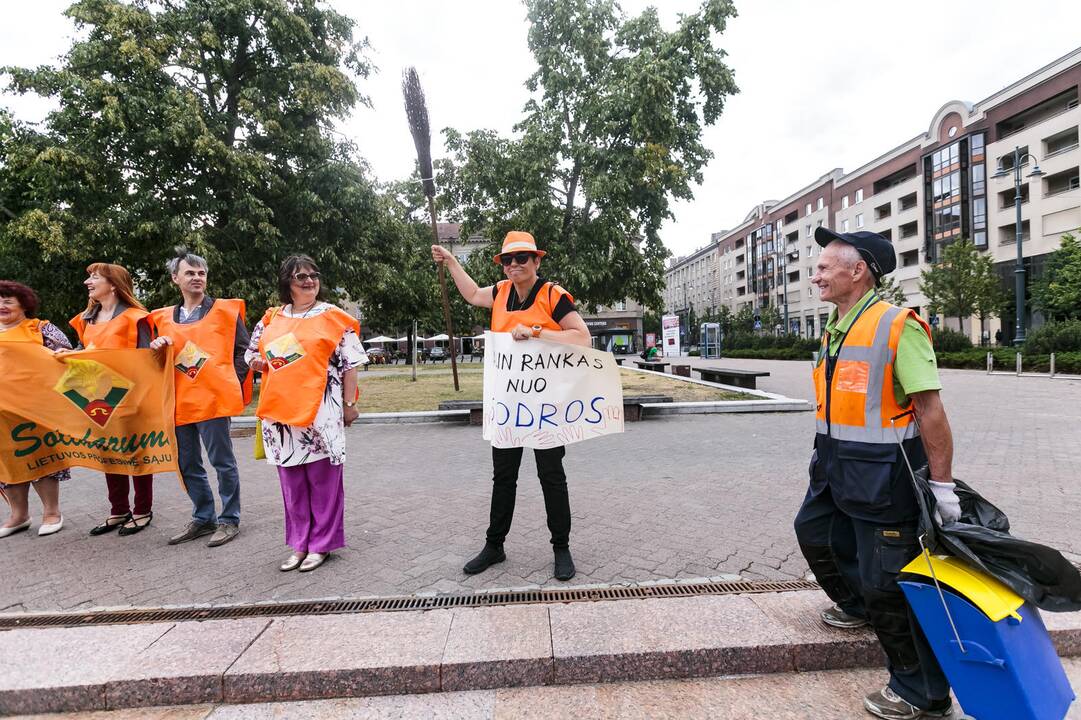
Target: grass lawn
391	389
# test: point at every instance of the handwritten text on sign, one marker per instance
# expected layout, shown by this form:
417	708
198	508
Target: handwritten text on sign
541	394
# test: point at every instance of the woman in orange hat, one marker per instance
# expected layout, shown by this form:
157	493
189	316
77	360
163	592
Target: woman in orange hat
115	319
526	306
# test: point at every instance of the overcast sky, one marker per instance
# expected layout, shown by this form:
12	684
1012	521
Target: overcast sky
823	84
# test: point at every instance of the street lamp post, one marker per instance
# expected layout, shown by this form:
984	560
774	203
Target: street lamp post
1019	269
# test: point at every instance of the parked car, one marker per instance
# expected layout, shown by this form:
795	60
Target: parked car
438	353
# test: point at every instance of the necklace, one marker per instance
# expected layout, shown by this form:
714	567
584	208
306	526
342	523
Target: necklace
307	310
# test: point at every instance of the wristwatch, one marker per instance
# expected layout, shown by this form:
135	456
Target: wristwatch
349	404
537	331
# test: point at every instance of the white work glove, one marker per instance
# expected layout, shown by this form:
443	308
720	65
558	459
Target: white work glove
948	504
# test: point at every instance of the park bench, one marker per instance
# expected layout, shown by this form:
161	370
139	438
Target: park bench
651	365
632	407
619	361
731	376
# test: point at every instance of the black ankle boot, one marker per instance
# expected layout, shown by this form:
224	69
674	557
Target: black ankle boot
490	555
564	567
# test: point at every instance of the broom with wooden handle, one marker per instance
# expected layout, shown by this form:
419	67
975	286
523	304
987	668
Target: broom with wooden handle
416	110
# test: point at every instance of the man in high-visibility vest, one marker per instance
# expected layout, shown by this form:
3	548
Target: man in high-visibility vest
213	384
857	526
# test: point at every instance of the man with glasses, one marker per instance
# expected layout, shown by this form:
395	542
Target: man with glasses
526	306
213	384
858	526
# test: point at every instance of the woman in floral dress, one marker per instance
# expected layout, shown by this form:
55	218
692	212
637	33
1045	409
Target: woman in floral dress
307	351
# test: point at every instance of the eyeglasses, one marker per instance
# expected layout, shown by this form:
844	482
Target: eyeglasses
521	258
305	277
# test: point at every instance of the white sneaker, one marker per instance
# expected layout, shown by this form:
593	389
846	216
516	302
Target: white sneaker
50	528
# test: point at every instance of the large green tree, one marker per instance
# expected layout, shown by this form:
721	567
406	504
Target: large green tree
611	136
205	123
1058	292
891	291
962	283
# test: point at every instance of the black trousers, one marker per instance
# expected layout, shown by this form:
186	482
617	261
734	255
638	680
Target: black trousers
505	464
857	562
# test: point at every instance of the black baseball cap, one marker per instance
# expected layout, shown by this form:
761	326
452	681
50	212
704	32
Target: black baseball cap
875	250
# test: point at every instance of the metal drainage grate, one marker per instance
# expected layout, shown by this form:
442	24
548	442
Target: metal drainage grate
404	602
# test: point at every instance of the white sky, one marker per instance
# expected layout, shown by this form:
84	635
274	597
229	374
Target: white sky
823	84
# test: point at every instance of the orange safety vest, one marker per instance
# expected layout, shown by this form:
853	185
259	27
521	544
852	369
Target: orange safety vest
119	333
860	402
206	383
539	313
298	351
28	330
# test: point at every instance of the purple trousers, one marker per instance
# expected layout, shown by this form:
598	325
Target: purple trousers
314	497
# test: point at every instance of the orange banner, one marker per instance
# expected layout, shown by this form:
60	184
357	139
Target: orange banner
109	410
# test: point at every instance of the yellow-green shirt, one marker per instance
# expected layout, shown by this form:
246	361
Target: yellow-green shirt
915	368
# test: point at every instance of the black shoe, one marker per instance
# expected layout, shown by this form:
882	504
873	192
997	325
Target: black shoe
490	555
136	524
564	568
113	522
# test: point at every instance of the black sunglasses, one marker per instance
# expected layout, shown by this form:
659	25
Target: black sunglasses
521	258
305	277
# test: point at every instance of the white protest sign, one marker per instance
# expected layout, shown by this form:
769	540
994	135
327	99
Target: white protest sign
541	394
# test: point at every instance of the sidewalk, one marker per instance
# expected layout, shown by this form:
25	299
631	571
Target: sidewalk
266	660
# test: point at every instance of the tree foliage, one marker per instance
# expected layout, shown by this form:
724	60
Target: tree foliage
892	292
204	123
611	136
962	283
1058	292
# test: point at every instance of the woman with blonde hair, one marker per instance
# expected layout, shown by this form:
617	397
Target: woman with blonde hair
114	318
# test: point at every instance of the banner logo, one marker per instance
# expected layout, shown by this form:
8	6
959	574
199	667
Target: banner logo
93	388
191	360
284	351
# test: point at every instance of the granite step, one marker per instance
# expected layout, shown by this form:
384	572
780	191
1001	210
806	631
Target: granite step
271	660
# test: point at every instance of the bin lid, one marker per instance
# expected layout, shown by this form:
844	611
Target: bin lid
994	599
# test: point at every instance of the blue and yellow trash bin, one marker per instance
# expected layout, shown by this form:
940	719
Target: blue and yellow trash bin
991	644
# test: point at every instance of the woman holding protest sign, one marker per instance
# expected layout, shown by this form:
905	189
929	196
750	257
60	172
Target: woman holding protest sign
19	323
115	319
308	352
526	306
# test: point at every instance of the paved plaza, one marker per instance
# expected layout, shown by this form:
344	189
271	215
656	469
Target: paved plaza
678	497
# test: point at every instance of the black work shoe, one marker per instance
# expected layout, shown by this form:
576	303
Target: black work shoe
838	618
564	567
887	704
490	555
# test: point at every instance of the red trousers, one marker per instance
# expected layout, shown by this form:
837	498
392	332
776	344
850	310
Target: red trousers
118	493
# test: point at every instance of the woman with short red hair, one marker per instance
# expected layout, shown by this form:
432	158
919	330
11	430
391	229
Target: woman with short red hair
115	319
19	323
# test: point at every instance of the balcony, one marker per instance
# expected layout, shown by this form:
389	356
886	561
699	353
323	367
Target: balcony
1060	143
1061	103
907	202
1007	234
908	230
1062	182
1006	198
883	211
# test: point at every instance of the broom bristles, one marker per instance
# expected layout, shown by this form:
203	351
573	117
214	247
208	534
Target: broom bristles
416	110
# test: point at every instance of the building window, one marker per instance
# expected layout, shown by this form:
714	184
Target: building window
859	196
810	231
821	204
859	220
621	305
844	202
808	208
844	226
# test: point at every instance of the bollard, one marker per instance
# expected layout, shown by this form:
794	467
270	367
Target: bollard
1052	364
1018	364
990	362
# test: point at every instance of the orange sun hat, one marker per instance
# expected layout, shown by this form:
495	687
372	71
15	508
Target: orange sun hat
518	241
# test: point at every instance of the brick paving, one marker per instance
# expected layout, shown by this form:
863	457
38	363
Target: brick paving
680	497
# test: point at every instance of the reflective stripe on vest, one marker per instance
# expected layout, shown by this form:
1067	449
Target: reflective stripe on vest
539	313
298	351
862	400
206	383
28	330
119	333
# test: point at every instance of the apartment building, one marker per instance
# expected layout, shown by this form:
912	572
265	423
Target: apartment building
923	194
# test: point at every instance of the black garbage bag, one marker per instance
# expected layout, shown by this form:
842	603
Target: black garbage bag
982	539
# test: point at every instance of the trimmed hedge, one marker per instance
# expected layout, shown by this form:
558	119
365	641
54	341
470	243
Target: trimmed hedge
1055	337
789	353
1006	359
